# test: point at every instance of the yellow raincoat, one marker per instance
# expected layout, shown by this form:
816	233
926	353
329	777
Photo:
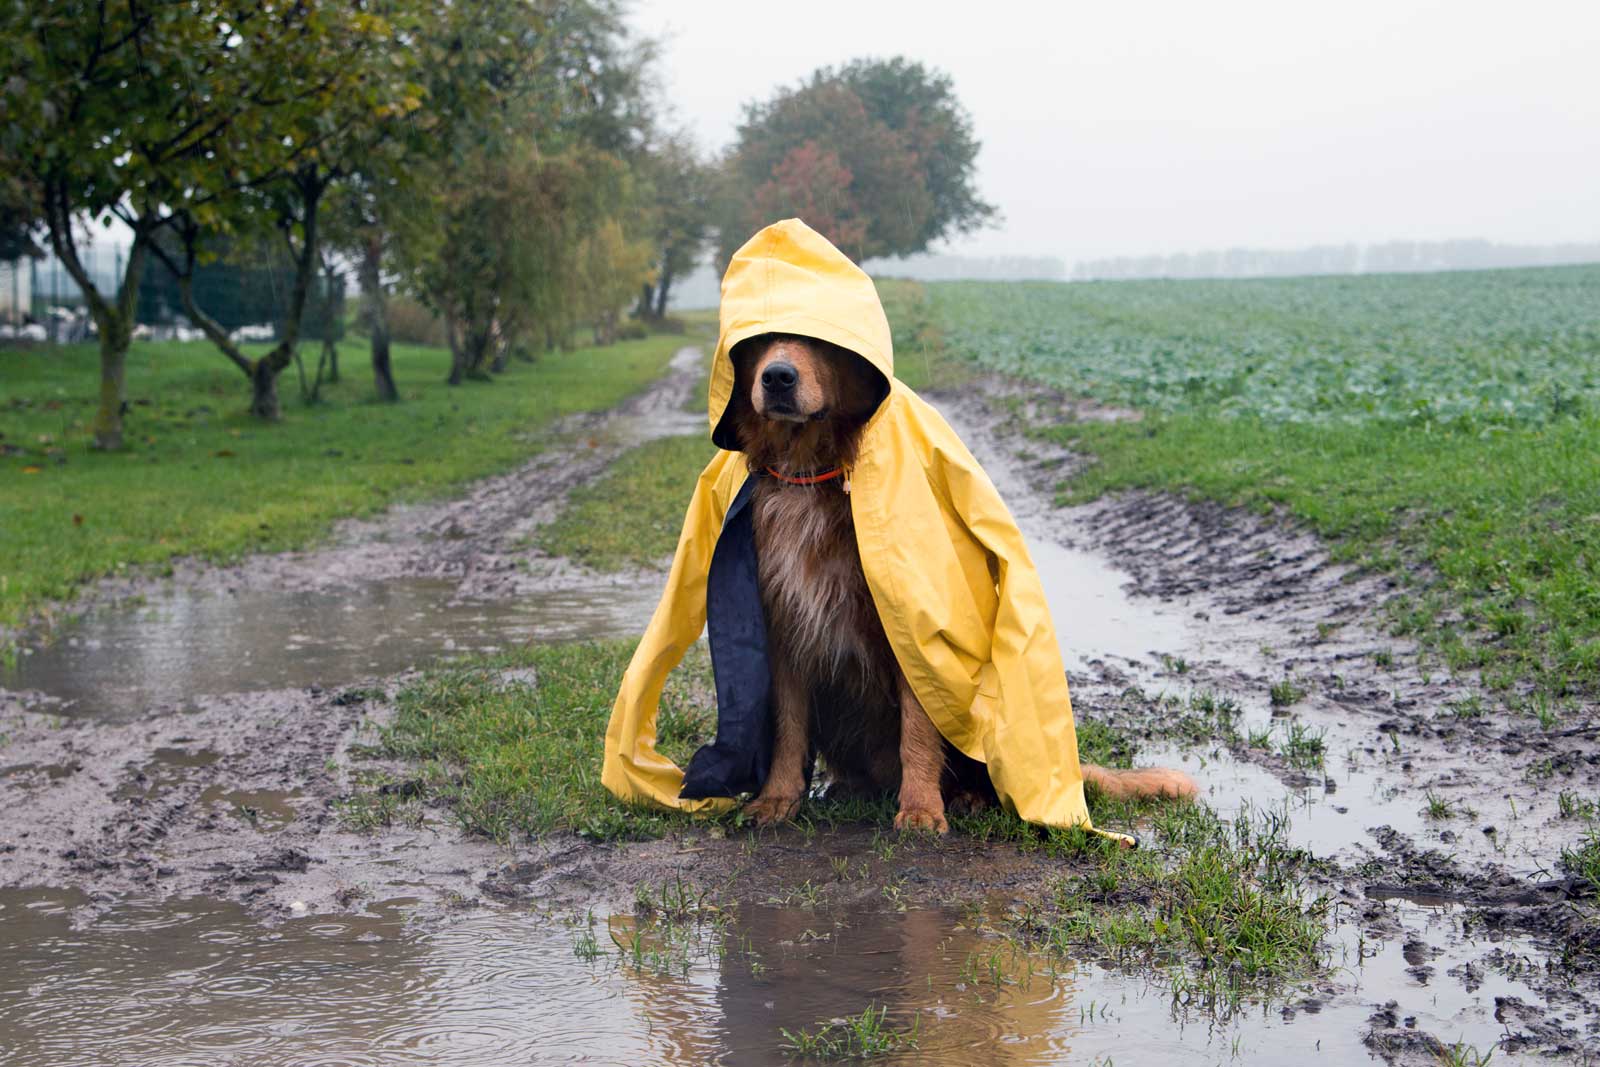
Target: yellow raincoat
955	588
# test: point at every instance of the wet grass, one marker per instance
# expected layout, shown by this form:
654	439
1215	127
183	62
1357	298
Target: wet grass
631	515
1584	862
1216	898
1493	532
854	1037
1442	427
200	477
514	760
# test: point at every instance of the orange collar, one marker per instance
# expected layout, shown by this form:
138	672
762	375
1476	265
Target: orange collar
806	479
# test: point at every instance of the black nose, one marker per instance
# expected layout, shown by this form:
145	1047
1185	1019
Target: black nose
779	377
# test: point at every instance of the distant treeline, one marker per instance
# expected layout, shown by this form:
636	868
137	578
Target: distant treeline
1392	256
930	267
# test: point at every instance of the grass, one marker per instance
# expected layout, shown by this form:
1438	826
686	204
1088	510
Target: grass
1285	693
515	760
854	1037
200	477
1445	427
1584	862
631	515
1227	898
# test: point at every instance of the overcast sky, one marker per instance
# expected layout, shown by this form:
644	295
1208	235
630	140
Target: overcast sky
1122	128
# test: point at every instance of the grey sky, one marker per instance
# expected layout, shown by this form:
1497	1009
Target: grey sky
1114	128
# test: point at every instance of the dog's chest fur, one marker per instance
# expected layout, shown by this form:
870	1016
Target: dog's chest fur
823	625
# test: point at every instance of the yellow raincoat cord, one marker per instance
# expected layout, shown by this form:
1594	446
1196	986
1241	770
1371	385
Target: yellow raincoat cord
955	588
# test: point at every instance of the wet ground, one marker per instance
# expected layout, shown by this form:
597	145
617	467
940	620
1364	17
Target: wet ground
181	889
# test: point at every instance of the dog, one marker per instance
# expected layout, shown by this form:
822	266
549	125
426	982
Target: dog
837	689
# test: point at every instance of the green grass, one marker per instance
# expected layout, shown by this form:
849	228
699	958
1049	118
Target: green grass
855	1037
631	515
1227	903
200	477
514	760
1446	427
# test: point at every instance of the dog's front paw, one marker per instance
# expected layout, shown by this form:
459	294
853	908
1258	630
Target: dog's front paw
767	810
920	818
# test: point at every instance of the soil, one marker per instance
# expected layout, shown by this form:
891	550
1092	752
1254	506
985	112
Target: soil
234	795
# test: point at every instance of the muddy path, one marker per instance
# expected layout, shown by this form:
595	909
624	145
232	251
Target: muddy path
195	746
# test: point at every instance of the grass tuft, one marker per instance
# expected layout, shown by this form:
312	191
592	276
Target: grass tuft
854	1037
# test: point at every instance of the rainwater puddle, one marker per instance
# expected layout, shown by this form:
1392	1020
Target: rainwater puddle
189	982
1094	615
119	663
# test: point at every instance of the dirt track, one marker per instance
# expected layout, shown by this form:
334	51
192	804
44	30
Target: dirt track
231	794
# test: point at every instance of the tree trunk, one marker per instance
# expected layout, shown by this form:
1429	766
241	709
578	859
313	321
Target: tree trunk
264	389
458	356
331	350
107	423
263	373
113	319
376	302
661	294
646	299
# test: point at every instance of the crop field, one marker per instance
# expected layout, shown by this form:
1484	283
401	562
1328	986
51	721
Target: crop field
1479	349
1443	426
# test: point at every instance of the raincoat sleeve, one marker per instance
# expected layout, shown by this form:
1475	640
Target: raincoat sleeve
1029	742
633	770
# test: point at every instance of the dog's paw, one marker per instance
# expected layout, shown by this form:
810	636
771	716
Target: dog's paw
910	818
767	810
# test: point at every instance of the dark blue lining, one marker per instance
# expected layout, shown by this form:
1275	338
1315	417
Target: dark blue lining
736	627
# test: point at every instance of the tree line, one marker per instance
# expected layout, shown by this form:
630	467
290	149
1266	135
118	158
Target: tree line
507	164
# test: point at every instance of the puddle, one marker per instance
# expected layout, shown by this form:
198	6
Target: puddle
263	809
118	663
44	772
1094	615
201	981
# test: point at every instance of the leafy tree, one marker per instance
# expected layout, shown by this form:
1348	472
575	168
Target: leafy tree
880	153
330	113
525	181
677	188
179	118
610	269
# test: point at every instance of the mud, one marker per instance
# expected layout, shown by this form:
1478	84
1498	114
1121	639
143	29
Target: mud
180	763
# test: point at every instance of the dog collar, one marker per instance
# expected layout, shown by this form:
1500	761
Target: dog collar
806	479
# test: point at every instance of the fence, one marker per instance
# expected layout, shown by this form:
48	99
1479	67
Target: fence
40	301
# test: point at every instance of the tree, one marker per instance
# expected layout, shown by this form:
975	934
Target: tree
610	269
880	152
175	118
677	187
525	180
330	113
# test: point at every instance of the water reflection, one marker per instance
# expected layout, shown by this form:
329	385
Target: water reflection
120	663
201	982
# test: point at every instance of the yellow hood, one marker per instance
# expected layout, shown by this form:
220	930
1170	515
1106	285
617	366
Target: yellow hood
954	586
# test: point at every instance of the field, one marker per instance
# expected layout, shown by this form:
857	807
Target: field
199	476
1445	427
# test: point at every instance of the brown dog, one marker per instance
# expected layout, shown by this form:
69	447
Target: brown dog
836	687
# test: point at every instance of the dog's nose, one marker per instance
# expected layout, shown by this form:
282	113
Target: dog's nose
779	377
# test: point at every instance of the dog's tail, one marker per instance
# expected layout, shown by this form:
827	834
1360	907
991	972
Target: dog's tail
1138	782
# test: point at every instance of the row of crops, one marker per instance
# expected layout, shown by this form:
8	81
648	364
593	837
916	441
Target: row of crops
1514	347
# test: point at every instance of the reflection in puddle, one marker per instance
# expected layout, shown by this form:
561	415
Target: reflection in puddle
201	981
119	663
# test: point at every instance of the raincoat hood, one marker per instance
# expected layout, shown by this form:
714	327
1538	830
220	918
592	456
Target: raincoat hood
789	279
955	589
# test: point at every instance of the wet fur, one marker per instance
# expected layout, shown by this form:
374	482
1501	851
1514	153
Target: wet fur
837	689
